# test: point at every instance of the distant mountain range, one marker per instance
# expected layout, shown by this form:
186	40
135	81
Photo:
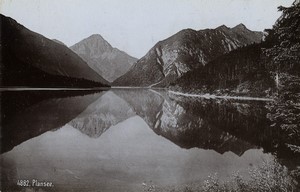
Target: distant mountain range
107	61
38	61
183	52
30	59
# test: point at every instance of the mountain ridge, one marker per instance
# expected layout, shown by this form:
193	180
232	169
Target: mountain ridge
254	70
30	59
58	41
184	51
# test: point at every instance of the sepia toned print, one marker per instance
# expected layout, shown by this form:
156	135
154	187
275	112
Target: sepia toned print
161	96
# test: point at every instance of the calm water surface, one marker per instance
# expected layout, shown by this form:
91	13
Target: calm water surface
119	139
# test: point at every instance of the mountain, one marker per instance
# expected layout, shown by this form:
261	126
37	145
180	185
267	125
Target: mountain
58	41
185	51
255	70
270	68
30	59
240	72
107	61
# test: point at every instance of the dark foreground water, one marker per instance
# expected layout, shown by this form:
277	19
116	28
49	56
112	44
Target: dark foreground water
122	140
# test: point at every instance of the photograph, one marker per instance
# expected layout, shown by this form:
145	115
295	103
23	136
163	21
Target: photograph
150	95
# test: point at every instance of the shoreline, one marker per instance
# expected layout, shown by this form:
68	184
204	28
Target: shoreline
208	96
51	89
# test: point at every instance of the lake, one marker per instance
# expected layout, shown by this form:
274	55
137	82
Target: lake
126	139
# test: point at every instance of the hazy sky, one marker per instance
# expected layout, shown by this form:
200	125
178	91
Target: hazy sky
135	26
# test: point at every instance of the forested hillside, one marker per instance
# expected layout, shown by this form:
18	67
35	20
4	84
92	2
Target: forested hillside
284	52
254	70
241	72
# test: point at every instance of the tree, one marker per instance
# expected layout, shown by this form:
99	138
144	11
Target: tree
283	48
284	41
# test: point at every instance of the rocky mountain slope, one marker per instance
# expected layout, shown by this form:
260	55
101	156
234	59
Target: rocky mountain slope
107	61
30	59
240	72
257	69
185	51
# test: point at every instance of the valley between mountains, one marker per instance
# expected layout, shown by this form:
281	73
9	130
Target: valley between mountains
222	61
90	117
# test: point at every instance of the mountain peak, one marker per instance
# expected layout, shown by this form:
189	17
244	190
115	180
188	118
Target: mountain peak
223	27
94	42
240	26
95	36
107	61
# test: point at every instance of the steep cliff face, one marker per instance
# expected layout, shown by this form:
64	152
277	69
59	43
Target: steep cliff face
183	52
30	59
107	61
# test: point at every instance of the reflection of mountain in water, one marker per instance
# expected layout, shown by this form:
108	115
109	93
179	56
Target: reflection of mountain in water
179	124
146	104
244	119
107	111
27	114
209	124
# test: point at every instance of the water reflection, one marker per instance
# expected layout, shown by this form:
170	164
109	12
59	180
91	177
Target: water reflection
27	114
107	111
119	139
178	122
124	157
